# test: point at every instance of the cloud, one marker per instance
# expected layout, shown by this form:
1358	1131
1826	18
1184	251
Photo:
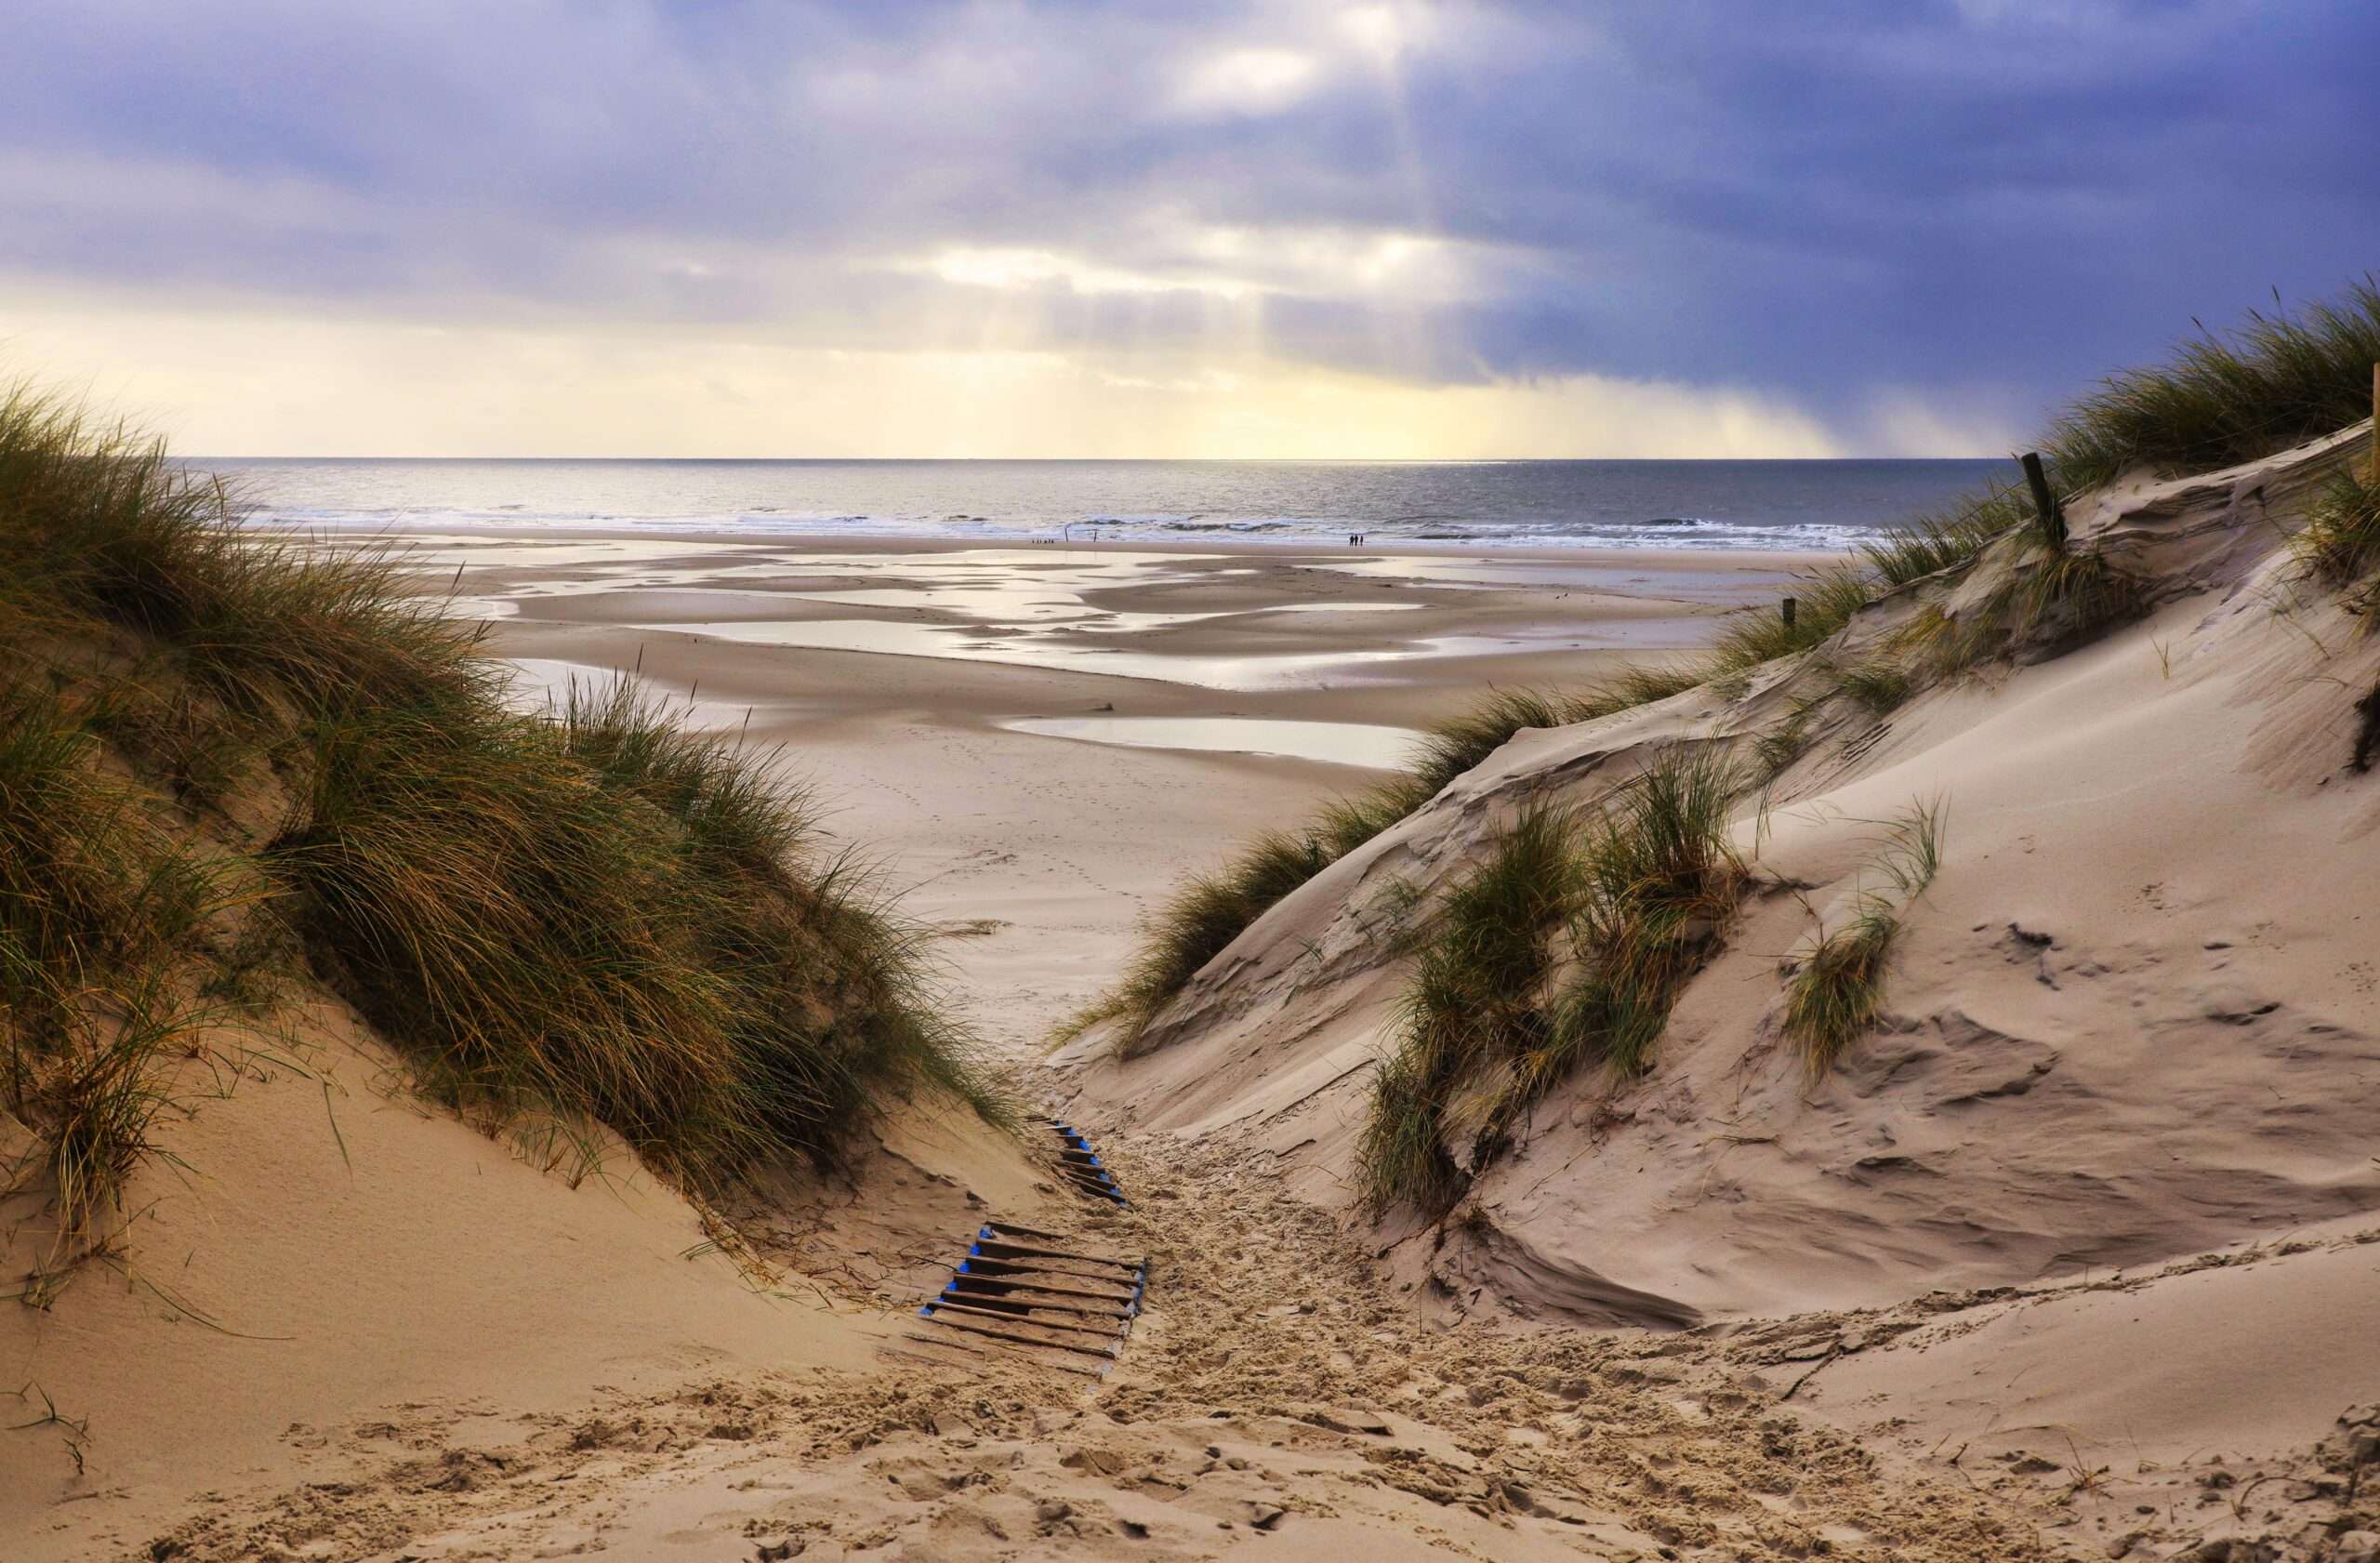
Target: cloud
1247	81
1966	205
230	382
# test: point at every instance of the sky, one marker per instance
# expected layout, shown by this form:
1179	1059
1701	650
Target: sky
1271	229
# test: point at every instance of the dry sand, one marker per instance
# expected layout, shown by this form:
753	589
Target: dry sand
468	1358
1272	1402
2095	1209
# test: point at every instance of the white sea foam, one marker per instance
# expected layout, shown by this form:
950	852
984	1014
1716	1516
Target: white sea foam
1813	536
1825	506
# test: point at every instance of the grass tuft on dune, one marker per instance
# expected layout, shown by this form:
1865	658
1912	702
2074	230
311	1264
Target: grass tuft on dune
2222	398
1834	991
1927	545
1837	989
1662	884
1564	947
1213	908
593	916
1824	600
93	902
2339	545
1477	1001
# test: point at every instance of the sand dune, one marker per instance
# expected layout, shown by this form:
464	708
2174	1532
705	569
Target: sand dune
2132	1021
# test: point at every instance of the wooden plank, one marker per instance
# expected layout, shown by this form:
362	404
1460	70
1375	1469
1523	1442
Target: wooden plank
1001	1248
1119	1311
1118	1288
1077	1159
1000	1264
939	1304
1092	1301
1133	1266
1101	1285
1098	1275
1014	1339
2046	507
1119	1300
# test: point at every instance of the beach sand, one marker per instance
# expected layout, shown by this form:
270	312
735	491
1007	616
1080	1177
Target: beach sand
1038	850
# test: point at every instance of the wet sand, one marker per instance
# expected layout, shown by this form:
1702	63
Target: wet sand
1035	743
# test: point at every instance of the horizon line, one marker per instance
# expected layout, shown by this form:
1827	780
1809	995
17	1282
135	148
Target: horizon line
1150	460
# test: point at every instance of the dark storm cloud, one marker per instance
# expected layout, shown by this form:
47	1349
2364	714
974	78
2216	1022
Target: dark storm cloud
1995	199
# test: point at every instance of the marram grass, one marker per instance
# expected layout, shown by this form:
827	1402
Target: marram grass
2221	398
1878	684
1564	947
1662	883
1835	991
2339	544
1475	1001
605	913
593	916
95	901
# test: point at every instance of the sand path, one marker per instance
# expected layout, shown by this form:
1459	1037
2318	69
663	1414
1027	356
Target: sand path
1272	1399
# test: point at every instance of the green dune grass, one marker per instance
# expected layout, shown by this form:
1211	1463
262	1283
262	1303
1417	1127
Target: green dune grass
593	915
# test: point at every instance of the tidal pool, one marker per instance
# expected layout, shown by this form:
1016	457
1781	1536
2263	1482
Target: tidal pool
1334	743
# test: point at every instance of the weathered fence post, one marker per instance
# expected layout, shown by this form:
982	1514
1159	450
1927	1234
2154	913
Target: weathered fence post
2045	505
2376	423
1789	613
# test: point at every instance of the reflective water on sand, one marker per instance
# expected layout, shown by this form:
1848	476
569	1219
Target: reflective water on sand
1245	671
1048	607
1334	743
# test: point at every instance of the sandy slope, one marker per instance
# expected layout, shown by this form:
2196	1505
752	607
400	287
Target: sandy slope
1272	1402
2134	1019
344	1278
337	1248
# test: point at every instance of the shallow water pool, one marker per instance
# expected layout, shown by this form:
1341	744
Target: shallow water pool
1333	743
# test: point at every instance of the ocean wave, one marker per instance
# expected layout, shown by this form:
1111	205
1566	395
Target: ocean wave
757	523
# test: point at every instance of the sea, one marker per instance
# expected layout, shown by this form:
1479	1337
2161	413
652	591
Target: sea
1785	505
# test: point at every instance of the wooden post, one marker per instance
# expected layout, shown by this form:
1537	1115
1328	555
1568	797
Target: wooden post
1789	613
2045	506
2376	423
